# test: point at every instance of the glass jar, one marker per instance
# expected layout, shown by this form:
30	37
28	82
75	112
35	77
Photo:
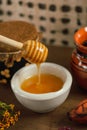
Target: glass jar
79	58
10	62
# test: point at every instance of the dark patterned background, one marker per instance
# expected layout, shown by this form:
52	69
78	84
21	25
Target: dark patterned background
57	19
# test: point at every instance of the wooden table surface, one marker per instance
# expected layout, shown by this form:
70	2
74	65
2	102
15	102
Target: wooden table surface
30	120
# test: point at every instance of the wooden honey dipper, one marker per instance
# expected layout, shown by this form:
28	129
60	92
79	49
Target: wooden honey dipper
33	51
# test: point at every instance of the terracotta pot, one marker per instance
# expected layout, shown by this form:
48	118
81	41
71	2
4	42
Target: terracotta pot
79	58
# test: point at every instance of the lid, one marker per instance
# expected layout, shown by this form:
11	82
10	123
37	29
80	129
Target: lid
80	38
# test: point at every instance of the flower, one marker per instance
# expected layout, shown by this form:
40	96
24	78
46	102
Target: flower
8	115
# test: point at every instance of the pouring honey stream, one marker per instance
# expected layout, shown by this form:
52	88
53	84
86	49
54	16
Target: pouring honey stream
39	79
35	52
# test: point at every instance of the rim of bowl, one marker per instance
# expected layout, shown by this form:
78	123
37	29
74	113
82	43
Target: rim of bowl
44	96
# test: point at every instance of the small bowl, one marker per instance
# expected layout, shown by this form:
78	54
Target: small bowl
41	102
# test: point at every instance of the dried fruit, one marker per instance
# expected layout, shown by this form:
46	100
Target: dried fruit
79	113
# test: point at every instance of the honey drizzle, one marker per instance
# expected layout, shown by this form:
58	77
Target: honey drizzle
38	69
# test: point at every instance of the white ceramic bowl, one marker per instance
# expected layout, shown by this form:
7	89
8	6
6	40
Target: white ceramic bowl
41	102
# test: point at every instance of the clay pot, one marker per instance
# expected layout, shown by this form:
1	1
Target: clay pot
79	58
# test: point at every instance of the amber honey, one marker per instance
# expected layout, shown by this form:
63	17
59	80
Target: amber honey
47	83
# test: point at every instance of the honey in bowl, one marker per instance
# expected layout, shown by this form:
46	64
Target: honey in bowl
47	83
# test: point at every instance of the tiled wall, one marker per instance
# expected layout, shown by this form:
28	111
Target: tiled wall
57	19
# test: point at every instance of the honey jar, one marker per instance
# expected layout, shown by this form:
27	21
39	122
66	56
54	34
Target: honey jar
79	58
10	60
